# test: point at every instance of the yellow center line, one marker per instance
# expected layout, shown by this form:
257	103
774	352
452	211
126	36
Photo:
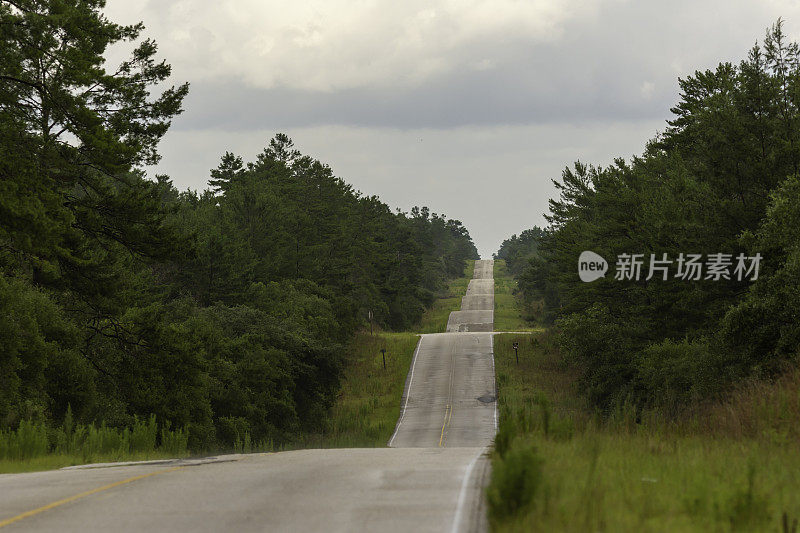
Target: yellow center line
447	412
58	503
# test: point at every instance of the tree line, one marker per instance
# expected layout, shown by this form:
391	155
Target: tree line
121	297
721	179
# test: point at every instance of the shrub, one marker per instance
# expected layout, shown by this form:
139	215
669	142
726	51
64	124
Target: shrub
516	479
601	347
143	435
673	373
28	441
174	442
505	434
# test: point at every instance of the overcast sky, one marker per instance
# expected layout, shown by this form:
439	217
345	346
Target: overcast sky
470	107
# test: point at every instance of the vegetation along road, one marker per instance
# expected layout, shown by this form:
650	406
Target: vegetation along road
280	351
428	479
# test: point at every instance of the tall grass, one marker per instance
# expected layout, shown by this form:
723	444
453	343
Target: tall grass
33	445
758	409
27	441
366	411
731	465
368	405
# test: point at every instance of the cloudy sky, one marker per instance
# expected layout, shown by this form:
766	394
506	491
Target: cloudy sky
468	106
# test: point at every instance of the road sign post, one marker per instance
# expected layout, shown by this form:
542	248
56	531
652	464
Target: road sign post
516	352
383	353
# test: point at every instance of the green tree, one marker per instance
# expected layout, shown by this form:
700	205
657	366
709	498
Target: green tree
71	133
703	186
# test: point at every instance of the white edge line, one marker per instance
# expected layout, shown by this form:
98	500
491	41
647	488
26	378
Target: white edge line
491	346
407	391
494	381
462	493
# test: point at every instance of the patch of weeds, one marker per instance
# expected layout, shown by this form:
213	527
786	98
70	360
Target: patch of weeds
516	479
747	510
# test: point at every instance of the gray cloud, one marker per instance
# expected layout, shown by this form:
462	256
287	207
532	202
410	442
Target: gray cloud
469	99
468	107
621	64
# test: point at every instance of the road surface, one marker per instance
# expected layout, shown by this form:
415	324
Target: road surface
477	306
430	477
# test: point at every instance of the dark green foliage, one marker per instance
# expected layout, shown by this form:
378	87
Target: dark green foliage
518	251
602	348
38	355
222	313
678	372
722	178
763	329
526	265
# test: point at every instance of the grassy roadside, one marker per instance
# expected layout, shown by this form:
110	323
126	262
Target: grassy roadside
366	411
364	415
435	319
558	467
507	309
55	461
34	446
368	405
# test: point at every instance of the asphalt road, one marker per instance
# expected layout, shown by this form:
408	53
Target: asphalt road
428	479
477	306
